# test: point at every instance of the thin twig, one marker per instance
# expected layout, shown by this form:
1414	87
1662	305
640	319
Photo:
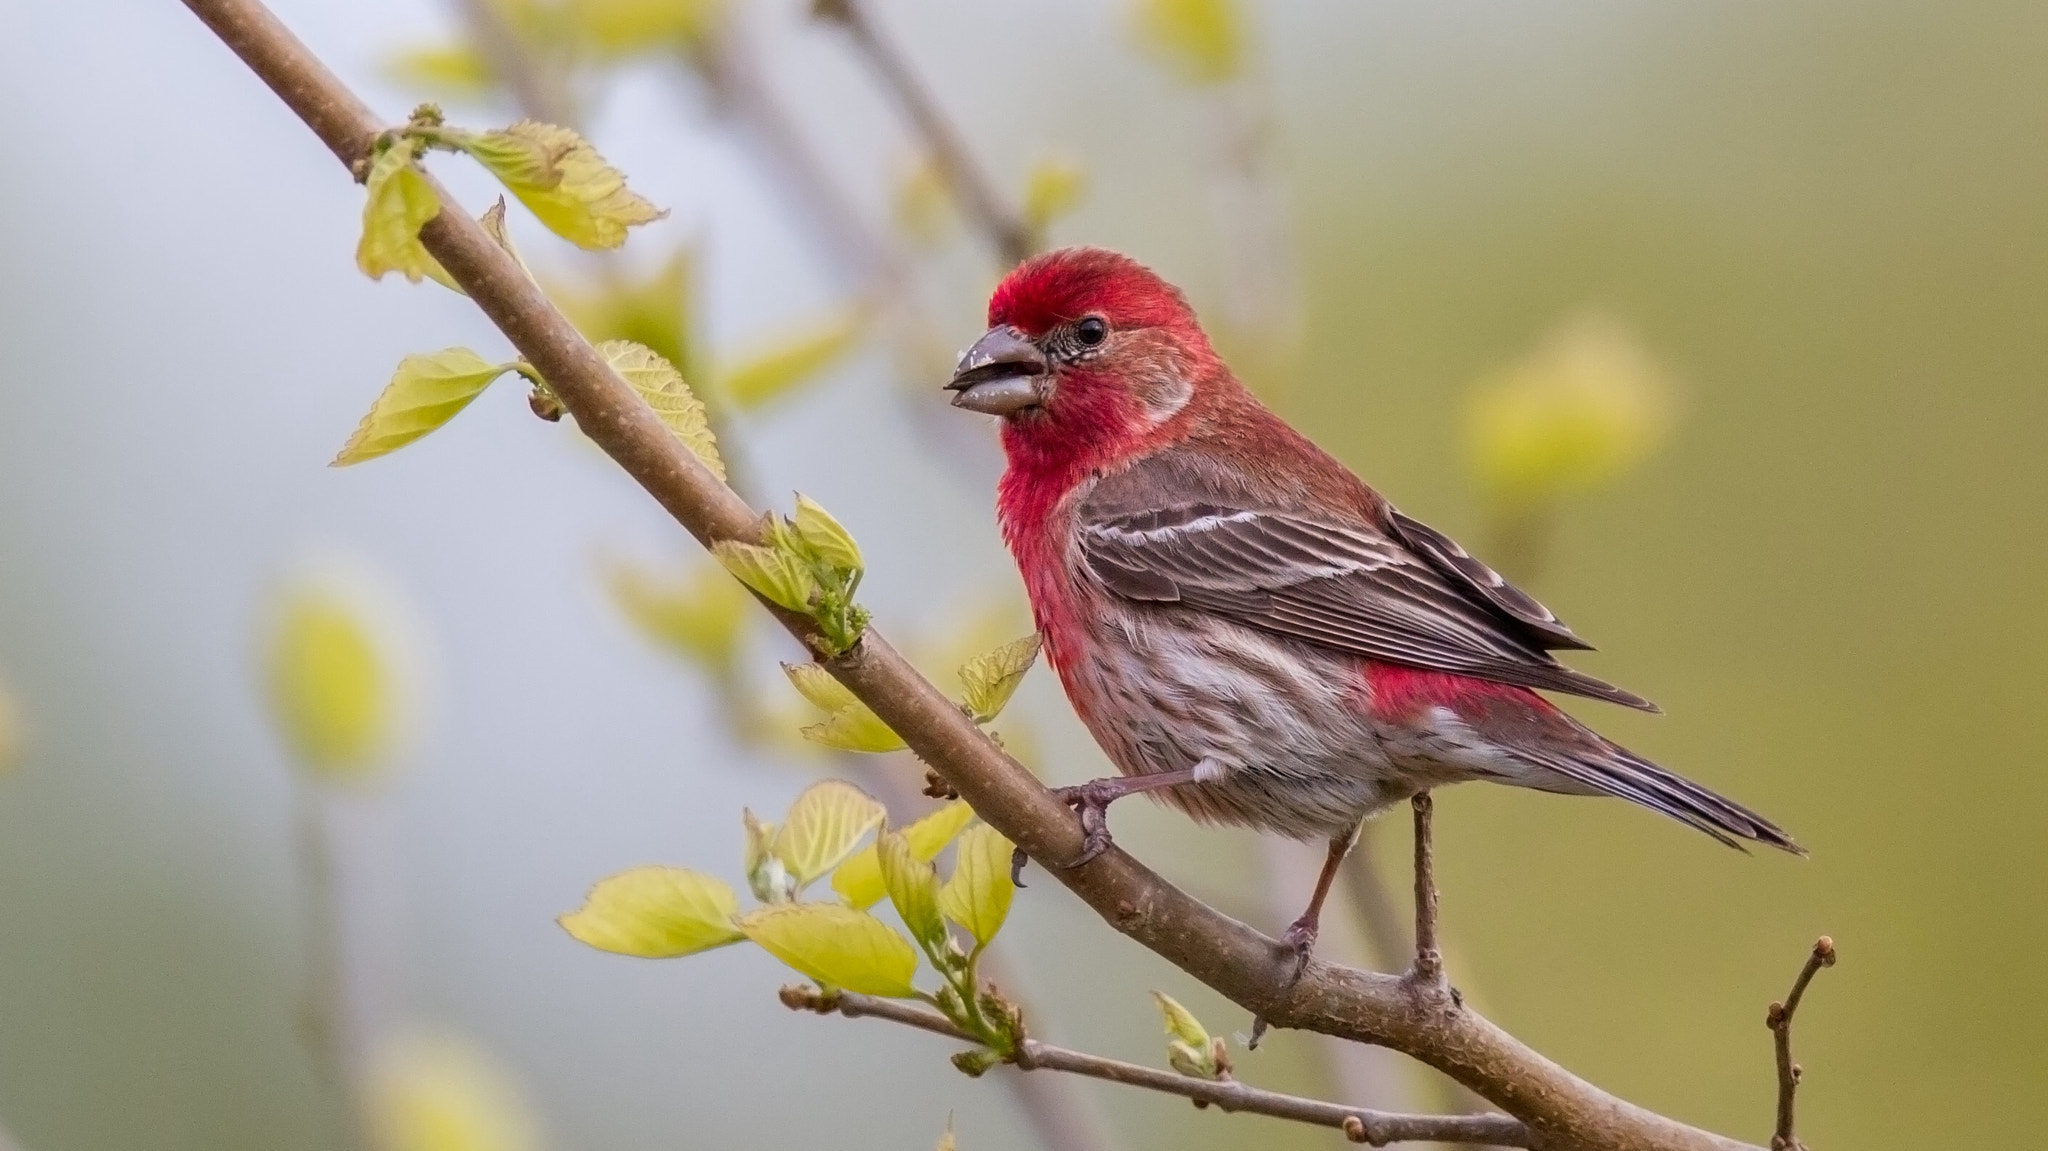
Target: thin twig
1779	1020
1360	1124
539	88
1251	969
1428	969
984	205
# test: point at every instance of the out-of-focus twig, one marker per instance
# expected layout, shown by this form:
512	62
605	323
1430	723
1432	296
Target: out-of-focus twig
1359	1124
539	87
978	197
1779	1020
332	1011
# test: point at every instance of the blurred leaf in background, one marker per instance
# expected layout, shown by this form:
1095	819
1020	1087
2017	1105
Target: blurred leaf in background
1200	41
441	1093
335	672
10	731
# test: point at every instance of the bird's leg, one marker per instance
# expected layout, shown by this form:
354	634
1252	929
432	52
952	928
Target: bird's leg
1091	802
1301	934
1427	971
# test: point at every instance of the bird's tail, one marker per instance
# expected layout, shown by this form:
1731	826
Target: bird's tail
1615	770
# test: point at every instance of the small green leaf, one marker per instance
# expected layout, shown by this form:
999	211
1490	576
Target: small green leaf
977	895
836	945
775	574
859	880
617	29
400	202
663	388
1188	1046
562	179
913	889
816	684
655	311
825	537
656	913
776	370
992	678
453	69
1054	188
425	393
824	826
441	1093
1202	41
700	615
946	1141
855	727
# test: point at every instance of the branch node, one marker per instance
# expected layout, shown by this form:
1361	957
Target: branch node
1354	1129
1779	1019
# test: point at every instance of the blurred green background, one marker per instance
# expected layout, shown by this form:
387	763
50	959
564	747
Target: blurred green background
1826	221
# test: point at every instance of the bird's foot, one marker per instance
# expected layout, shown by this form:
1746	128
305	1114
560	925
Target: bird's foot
1301	936
1091	802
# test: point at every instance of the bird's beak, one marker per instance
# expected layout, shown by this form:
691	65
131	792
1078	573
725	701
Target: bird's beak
1003	373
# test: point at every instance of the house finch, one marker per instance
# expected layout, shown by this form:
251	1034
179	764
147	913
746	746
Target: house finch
1249	631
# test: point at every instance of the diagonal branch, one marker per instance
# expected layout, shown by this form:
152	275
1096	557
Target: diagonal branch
1244	965
1779	1020
1359	1124
977	194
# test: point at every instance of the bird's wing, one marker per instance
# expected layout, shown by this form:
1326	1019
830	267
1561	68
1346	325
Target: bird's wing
1406	595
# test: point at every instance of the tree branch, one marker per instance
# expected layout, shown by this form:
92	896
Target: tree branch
1360	1124
977	194
1779	1020
1562	1111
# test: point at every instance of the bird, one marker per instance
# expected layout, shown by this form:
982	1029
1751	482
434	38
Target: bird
1250	632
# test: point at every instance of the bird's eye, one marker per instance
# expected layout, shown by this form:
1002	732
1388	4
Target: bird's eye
1091	331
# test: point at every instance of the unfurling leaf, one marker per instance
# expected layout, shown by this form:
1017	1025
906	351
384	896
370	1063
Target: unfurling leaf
991	679
855	727
700	615
663	388
824	826
562	179
913	889
426	392
444	1094
778	576
332	689
400	202
977	895
1201	41
766	875
836	945
824	537
816	684
1188	1045
758	379
946	1141
656	913
859	880
1587	405
1054	188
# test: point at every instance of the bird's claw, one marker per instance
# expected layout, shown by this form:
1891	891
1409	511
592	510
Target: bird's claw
1301	936
1091	802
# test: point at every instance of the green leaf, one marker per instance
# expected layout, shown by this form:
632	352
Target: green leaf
977	895
836	945
816	684
824	826
1188	1046
825	537
776	370
1054	188
924	204
700	615
654	311
441	1093
859	880
452	69
332	690
913	888
400	202
562	180
663	388
617	29
775	574
1201	41
425	393
656	913
855	727
992	678
946	1140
